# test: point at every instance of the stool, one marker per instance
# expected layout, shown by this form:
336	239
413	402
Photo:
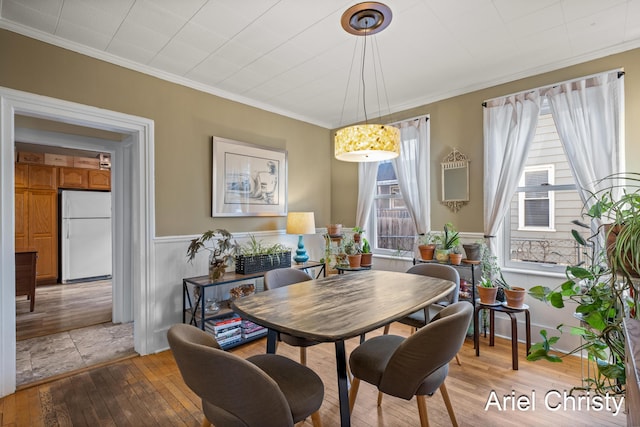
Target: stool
511	312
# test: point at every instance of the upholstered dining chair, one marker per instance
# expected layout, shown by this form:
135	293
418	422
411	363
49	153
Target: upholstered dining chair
441	271
266	390
284	277
413	366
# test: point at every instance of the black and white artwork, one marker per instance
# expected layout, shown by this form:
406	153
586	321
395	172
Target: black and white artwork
248	180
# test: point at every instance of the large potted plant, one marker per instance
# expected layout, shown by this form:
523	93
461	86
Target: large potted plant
602	288
220	253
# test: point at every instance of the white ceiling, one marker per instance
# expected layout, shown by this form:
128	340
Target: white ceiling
292	56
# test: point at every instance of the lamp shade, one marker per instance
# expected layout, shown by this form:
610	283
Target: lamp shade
367	143
301	223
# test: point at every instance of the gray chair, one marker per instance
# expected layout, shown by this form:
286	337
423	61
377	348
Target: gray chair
284	277
441	271
413	366
265	390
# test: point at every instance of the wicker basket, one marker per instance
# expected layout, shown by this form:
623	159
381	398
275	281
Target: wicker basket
257	263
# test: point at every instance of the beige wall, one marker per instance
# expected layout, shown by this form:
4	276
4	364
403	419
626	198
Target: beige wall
457	122
185	120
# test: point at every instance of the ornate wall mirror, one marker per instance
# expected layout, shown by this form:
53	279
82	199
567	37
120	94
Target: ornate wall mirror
455	180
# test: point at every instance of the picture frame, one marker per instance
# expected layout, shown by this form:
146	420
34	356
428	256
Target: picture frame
248	179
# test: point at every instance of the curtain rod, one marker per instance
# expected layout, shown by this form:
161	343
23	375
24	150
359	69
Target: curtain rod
410	119
620	72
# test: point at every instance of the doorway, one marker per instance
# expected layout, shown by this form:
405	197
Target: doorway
132	227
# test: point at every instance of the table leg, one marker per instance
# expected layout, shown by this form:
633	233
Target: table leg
514	341
492	327
272	337
343	393
476	332
528	329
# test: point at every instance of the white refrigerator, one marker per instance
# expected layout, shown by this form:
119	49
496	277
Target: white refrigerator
85	235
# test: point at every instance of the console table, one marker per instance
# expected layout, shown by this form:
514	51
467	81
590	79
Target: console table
194	309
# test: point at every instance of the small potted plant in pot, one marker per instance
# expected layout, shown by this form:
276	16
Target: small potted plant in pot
449	241
220	254
427	245
357	234
354	253
487	291
455	256
473	251
366	258
514	295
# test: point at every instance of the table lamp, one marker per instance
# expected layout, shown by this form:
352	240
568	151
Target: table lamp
301	223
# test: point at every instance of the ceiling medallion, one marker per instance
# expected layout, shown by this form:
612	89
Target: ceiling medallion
366	18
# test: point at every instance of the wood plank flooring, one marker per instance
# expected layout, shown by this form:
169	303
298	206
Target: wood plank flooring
149	391
61	308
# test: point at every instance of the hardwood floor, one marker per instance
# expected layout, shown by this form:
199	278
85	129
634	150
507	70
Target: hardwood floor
149	391
62	308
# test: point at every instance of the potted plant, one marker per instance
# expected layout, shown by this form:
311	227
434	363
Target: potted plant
602	288
455	256
354	253
255	256
487	291
334	230
449	241
427	245
220	254
357	233
366	258
473	251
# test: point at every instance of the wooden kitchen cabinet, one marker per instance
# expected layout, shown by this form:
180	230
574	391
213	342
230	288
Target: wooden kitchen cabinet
21	175
22	222
73	178
42	177
99	179
42	216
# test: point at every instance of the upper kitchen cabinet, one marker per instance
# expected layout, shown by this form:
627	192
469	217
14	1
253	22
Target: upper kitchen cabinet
99	179
42	177
86	179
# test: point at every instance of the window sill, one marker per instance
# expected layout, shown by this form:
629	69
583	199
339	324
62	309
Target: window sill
534	272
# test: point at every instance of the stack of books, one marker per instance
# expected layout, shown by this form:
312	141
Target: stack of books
227	331
251	330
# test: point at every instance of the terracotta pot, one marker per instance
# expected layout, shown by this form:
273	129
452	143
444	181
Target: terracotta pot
442	255
334	229
487	295
356	238
472	251
455	259
355	260
515	296
366	260
426	251
611	233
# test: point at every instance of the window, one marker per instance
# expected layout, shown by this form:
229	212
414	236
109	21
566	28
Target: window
538	227
536	203
392	224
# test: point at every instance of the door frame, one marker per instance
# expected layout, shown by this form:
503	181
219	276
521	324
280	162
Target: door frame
133	214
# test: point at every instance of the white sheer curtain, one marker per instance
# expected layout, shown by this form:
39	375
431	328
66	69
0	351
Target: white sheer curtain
367	172
509	127
412	170
587	114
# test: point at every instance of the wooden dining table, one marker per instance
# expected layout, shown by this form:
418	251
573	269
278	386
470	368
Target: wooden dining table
336	308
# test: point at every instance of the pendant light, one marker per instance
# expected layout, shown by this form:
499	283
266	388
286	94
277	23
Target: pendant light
366	142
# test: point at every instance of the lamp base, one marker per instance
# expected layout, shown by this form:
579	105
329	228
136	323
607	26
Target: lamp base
301	253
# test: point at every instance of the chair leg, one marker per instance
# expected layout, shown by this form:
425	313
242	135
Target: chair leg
303	356
422	411
379	398
353	393
458	360
386	329
315	419
447	402
206	422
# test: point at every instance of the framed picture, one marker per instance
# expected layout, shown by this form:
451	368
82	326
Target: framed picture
248	180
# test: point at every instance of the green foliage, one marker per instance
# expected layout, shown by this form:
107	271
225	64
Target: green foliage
429	239
351	247
450	237
366	248
255	247
358	230
223	247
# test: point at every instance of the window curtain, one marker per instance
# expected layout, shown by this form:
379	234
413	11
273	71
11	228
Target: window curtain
367	173
412	170
509	127
587	114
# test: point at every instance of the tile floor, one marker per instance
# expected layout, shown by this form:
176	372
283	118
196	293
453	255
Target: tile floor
42	357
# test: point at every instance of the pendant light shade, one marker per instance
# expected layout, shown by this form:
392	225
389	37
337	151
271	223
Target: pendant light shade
367	143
